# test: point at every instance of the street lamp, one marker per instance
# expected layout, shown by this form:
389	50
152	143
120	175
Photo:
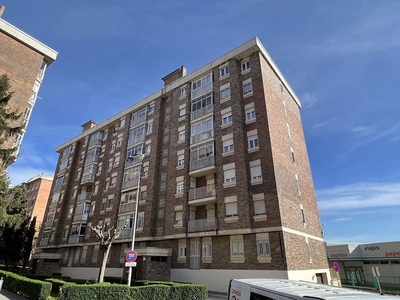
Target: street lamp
141	156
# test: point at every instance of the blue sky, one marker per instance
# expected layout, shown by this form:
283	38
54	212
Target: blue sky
341	57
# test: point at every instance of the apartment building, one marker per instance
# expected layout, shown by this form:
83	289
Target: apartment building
24	60
38	191
226	189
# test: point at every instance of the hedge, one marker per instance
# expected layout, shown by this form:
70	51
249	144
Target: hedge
188	292
26	287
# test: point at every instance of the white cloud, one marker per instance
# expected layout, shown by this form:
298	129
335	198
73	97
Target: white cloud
358	196
308	99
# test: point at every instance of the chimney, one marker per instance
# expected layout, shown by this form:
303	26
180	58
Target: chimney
88	125
175	75
2	8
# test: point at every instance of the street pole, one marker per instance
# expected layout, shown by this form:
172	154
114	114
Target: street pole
141	156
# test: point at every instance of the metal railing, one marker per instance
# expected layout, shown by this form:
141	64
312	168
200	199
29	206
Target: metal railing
202	136
84	196
202	112
126	207
202	163
88	178
76	239
202	192
129	183
81	217
202	225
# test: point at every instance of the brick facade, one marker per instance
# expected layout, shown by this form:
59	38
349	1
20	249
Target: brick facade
248	206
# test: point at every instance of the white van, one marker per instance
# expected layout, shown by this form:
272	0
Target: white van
278	289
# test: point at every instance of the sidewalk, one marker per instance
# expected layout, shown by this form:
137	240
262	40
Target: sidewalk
6	295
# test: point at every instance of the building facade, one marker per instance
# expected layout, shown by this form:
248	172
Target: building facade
24	60
357	261
226	188
38	191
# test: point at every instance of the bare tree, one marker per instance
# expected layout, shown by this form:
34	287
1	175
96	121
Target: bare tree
106	239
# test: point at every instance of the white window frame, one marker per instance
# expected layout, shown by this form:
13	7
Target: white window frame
247	87
245	66
224	71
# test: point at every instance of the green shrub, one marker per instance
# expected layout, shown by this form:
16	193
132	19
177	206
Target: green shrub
118	280
104	291
26	287
57	283
150	292
188	292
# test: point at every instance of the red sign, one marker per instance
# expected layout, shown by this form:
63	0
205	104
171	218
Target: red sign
131	256
336	267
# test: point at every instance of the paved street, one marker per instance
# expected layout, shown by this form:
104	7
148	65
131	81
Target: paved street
6	295
214	297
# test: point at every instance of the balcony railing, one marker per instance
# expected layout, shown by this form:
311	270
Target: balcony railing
202	163
202	136
44	242
88	178
202	112
126	233
129	183
202	225
139	120
95	142
202	192
80	217
76	239
92	158
84	196
136	140
126	207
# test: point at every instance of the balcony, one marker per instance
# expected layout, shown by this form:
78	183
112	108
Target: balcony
136	140
202	195
91	158
96	142
128	184
126	233
88	179
84	197
202	225
76	239
202	163
80	217
202	112
44	242
205	135
138	120
126	207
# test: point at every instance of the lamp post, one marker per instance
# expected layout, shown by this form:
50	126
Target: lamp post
141	156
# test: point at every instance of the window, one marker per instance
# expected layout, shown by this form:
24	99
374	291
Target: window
202	151
202	85
182	110
303	218
284	108
46	234
201	106
201	130
255	171
106	226
140	221
182	93
308	250
70	211
252	138
288	131
245	66
231	209
223	71
225	93
137	134
182	251
247	87
113	180
263	245
119	141
59	181
103	205
92	207
207	247
181	136
110	202
237	246
250	112
227	144
178	217
63	165
151	108
181	160
229	173
297	184
259	205
179	185
226	116
293	157
150	127
139	116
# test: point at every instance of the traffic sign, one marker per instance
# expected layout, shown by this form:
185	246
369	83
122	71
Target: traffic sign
336	266
130	264
131	256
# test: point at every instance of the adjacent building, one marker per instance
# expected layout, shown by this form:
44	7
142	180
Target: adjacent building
356	263
24	60
226	189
